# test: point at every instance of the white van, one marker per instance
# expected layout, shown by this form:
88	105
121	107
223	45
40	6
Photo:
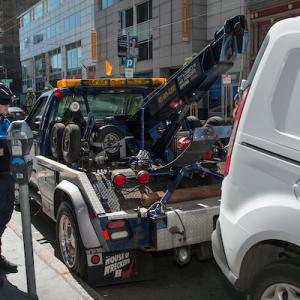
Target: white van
257	238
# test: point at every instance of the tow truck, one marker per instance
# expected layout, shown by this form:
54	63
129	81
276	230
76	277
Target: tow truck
119	168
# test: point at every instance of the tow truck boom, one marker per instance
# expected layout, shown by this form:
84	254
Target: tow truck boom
164	110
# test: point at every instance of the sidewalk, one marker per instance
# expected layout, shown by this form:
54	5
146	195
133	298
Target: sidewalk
53	279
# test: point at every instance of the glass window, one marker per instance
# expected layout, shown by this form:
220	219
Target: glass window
77	19
39	66
38	38
145	50
106	3
55	61
67	24
53	4
142	12
74	58
26	19
35	118
104	104
38	11
129	17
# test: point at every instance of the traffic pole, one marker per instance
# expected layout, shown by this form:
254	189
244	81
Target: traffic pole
27	239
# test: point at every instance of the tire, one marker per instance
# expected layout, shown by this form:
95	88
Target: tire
71	143
194	122
282	278
56	140
215	121
70	248
109	135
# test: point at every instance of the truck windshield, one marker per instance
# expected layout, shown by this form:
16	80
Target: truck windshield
258	60
102	104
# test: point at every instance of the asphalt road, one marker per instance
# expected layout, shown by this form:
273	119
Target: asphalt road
197	280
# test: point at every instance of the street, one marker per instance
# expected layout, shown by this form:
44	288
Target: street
197	280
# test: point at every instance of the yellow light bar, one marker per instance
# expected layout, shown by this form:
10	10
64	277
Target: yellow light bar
66	83
69	83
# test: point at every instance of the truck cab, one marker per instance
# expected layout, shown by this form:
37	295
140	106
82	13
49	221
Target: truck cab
256	242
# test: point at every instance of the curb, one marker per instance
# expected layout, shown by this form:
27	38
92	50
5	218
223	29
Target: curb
82	288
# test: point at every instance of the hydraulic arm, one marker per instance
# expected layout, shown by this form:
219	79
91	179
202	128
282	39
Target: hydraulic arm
164	110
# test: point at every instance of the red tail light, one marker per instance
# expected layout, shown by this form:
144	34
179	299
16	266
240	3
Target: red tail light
116	224
119	179
234	130
143	177
58	93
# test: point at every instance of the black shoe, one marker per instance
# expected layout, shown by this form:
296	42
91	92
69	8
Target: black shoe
7	266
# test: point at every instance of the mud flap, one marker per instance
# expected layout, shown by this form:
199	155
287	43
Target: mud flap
121	267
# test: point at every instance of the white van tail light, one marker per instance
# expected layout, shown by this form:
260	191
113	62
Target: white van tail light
234	130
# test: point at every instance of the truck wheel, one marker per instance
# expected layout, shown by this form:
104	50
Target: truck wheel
71	143
70	248
110	135
214	121
56	140
278	281
194	122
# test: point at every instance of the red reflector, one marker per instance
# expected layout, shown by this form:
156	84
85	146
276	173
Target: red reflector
58	93
106	235
143	177
119	179
116	224
95	259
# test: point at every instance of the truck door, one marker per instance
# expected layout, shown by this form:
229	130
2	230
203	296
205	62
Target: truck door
34	121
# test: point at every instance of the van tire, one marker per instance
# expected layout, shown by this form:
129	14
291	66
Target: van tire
71	143
79	265
56	140
286	274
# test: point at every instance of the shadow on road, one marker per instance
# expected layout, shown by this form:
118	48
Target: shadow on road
11	292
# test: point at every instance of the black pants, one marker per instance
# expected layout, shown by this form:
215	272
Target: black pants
7	198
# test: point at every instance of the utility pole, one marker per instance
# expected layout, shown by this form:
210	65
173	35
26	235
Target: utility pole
134	30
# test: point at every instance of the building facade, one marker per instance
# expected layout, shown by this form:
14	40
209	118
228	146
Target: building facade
79	38
56	42
167	32
10	68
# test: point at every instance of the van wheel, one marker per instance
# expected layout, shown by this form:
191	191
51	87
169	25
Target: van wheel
70	248
71	143
277	281
56	140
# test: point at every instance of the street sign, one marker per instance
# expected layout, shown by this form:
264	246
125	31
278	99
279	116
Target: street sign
128	72
133	47
129	63
122	46
226	79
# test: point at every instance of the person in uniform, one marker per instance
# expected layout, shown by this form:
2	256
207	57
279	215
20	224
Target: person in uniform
7	185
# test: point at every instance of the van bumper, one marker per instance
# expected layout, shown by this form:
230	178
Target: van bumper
219	254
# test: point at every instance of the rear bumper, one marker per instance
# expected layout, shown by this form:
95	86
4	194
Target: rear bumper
219	254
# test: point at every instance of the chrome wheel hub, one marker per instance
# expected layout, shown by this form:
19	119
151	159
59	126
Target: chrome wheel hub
67	241
281	291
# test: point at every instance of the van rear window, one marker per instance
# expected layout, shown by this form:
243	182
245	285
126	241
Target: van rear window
259	56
